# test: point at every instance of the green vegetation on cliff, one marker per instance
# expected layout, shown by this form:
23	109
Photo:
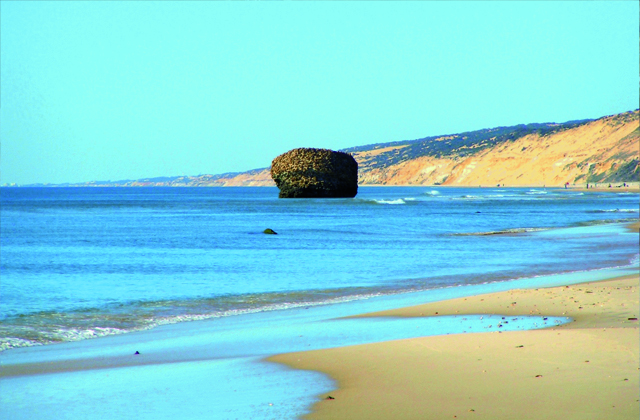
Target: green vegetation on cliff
457	145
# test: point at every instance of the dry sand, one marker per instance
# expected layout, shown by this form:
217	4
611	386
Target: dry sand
587	369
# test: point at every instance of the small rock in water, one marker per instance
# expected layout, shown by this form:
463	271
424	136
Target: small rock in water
137	352
270	232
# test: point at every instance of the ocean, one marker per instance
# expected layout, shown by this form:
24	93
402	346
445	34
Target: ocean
139	266
86	262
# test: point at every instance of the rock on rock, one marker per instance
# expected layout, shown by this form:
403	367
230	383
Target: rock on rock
315	173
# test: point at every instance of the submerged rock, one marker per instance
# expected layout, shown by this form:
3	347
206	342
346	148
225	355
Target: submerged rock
301	173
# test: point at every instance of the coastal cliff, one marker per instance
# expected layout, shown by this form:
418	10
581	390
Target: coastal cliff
605	150
600	151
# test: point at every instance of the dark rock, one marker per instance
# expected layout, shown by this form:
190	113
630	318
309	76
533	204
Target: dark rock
270	232
303	173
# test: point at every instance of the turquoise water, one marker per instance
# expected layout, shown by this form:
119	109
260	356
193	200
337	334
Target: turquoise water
131	266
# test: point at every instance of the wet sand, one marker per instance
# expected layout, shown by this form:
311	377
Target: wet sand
587	369
612	190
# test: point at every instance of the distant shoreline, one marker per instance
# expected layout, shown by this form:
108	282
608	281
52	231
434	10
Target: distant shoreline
632	187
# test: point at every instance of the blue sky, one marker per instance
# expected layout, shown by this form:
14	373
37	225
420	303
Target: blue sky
126	90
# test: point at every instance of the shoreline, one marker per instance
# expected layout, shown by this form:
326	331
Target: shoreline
585	369
183	360
628	226
170	357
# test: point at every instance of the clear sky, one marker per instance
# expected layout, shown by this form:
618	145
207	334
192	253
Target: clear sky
127	90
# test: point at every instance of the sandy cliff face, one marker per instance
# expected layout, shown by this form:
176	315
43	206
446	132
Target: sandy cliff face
593	152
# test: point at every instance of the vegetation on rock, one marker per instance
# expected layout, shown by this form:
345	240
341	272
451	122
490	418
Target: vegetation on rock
306	172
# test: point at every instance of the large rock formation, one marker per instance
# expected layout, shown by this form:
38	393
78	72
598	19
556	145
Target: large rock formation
315	173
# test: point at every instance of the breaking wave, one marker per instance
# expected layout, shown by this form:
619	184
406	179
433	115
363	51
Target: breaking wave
501	232
397	201
54	327
615	211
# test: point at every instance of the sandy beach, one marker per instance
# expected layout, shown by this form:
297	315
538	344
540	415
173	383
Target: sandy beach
607	189
586	369
626	187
